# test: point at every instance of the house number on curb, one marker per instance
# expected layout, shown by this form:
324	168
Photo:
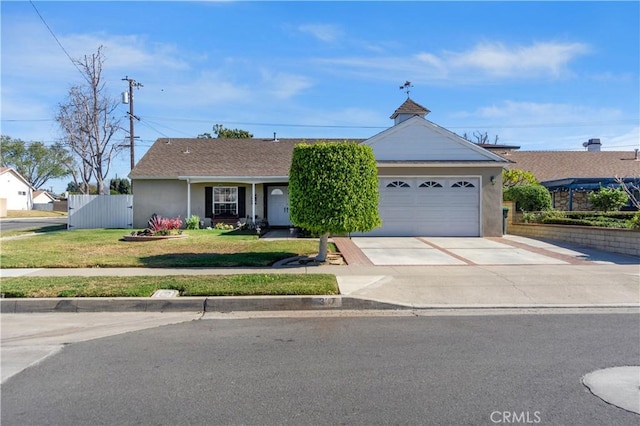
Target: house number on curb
326	302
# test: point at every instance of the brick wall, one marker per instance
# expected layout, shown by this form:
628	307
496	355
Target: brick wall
613	240
623	241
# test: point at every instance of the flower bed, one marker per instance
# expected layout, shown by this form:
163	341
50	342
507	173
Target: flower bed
152	237
158	228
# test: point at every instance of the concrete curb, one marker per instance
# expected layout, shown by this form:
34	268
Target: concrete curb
248	303
186	304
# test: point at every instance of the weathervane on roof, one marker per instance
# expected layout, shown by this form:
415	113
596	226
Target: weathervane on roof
407	87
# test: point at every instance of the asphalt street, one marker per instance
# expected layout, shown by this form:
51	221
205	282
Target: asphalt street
220	370
18	224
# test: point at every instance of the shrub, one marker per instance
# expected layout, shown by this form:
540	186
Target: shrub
515	177
159	225
620	220
607	199
635	221
193	222
224	226
552	215
529	197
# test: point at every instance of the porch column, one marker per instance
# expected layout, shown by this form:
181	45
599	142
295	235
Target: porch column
570	198
188	198
253	203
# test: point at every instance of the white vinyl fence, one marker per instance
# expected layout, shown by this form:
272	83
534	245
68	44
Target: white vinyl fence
100	211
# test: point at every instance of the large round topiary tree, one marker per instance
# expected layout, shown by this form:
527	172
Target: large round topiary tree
529	198
333	189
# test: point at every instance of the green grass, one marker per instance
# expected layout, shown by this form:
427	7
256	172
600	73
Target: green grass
33	213
145	286
34	230
105	248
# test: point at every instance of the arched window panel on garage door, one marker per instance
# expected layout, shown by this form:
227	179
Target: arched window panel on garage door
430	184
463	184
398	184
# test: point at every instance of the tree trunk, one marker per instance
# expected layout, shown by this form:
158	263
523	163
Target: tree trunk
322	252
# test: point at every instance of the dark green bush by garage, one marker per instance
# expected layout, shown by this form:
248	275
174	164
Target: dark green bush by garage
529	198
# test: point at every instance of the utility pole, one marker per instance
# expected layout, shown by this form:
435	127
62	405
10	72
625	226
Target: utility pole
127	98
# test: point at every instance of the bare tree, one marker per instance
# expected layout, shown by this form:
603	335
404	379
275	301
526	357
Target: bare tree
631	188
88	125
481	138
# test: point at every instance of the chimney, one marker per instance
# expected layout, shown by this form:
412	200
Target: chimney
593	145
636	156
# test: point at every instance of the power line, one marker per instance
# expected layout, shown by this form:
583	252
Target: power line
193	120
58	41
513	126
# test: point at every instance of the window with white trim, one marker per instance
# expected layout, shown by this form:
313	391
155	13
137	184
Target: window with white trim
225	201
431	184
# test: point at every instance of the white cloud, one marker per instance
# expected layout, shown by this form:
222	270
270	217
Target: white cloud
551	126
324	32
497	59
484	62
624	141
283	85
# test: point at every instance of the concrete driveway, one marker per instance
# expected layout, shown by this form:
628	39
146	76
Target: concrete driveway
508	250
510	271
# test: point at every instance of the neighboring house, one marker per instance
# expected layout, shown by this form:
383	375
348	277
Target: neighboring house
15	189
432	182
42	197
571	175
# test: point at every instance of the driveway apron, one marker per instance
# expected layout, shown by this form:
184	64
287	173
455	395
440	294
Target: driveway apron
448	251
510	271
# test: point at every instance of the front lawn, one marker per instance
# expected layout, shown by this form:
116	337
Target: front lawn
33	213
89	248
145	286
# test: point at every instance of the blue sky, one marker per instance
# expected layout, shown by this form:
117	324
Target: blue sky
541	75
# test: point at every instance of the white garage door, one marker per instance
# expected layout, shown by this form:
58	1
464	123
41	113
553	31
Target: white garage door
429	206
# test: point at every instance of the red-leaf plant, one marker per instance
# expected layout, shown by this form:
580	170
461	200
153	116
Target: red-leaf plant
159	225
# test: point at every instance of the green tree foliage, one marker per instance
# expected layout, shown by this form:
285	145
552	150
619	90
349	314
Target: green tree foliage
333	188
529	198
223	132
120	186
81	188
515	177
35	161
608	199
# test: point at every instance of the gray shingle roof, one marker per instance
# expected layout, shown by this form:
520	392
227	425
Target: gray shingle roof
552	165
410	107
170	157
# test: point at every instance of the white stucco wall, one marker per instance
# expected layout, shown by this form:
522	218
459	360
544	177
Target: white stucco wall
17	193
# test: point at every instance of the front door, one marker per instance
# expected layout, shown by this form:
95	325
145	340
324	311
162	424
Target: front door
278	206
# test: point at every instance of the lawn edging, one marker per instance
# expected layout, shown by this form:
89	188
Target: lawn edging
188	304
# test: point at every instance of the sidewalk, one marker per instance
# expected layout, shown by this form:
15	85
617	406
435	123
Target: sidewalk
511	272
377	287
